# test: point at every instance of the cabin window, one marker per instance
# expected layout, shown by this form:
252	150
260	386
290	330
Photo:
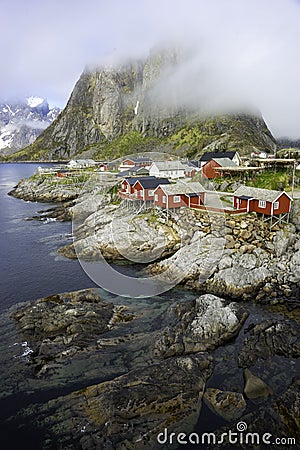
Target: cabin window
164	199
151	193
176	198
262	204
276	205
156	197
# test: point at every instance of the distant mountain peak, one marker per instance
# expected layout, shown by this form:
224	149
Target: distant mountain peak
33	101
21	122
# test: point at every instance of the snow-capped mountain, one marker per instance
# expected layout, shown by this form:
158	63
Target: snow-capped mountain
22	122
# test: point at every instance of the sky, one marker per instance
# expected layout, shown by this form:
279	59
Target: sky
239	51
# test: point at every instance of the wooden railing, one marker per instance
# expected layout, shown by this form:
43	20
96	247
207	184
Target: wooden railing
221	210
127	196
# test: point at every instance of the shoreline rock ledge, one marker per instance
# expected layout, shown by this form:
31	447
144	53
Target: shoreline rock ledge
163	389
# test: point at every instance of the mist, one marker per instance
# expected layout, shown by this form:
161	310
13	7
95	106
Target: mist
235	54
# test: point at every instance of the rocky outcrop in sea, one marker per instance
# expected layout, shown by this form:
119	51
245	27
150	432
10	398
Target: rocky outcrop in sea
136	368
37	189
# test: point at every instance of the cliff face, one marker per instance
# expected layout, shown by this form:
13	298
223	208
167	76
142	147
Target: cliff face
114	111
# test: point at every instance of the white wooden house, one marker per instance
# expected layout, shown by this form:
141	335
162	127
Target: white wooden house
167	169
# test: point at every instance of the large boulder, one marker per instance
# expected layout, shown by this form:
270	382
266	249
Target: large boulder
294	266
194	262
199	325
117	232
284	239
246	274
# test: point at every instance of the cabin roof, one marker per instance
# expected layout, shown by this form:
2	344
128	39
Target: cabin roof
138	160
135	170
169	165
207	156
133	180
148	183
224	162
259	194
182	188
194	163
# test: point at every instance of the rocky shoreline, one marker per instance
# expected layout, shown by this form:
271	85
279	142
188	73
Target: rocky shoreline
234	257
36	189
170	368
147	365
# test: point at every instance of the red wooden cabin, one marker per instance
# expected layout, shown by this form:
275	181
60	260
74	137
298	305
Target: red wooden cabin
262	201
129	163
144	187
140	188
127	185
103	166
208	168
179	194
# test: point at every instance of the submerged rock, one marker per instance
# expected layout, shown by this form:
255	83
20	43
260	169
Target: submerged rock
61	213
288	407
260	428
269	338
229	405
131	410
255	387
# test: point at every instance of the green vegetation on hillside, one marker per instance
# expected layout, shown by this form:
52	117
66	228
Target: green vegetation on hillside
192	139
28	153
219	133
266	179
281	179
131	142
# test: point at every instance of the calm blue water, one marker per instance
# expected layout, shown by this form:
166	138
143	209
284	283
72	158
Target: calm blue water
30	265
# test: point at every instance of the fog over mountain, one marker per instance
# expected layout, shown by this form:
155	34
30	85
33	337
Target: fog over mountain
239	53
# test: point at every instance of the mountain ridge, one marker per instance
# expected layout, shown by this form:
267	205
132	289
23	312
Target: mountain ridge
113	111
21	122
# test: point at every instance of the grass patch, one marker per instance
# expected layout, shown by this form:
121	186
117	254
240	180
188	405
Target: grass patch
131	142
281	179
226	200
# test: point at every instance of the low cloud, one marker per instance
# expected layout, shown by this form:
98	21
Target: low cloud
236	53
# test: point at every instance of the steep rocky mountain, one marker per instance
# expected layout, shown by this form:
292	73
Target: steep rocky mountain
117	110
22	122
